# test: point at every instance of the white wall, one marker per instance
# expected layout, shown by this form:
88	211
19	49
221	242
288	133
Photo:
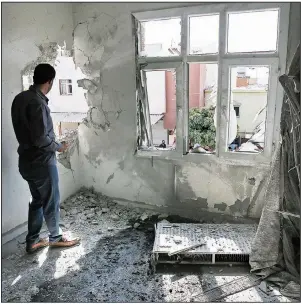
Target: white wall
159	133
108	155
156	91
25	26
65	69
250	103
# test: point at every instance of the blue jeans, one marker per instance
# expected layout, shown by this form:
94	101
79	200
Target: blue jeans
43	183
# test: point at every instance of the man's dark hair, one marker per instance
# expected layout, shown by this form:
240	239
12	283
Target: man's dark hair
43	73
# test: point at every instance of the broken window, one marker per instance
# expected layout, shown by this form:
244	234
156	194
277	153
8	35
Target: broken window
222	55
65	86
161	95
251	91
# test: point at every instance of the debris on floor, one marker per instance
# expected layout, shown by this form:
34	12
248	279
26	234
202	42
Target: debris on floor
112	263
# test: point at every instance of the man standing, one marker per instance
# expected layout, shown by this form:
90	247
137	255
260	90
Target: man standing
37	159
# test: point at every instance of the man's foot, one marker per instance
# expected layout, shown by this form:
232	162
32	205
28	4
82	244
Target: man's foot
31	248
64	242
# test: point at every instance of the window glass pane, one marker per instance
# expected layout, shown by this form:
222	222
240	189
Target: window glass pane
160	38
248	102
253	31
161	92
203	33
202	106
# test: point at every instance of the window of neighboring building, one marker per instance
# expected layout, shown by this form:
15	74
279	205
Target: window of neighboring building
236	109
65	86
217	52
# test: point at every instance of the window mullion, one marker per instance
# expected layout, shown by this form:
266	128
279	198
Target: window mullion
146	108
220	107
185	83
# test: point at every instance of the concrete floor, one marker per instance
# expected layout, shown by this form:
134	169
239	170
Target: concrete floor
111	264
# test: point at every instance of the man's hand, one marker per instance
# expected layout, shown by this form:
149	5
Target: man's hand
64	147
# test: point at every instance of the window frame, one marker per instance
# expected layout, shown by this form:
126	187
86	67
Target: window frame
67	83
275	59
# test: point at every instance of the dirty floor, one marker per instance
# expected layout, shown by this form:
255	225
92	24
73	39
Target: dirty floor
112	263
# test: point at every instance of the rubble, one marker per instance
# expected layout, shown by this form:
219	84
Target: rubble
112	263
136	225
115	217
144	217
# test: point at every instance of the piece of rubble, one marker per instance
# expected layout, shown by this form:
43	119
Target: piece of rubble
110	228
94	222
177	239
63	212
136	225
263	287
74	211
115	217
105	210
144	217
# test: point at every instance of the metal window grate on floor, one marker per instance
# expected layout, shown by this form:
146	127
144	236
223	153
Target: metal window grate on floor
221	243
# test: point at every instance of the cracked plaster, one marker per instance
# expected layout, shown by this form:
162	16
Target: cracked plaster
104	51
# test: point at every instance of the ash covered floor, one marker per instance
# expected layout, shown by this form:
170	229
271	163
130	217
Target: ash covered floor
112	263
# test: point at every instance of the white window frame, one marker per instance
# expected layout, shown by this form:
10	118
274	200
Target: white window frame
67	85
275	60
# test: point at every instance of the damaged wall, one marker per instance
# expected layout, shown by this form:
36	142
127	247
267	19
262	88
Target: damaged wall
104	50
30	32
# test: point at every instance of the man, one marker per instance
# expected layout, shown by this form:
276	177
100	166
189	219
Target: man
163	144
37	159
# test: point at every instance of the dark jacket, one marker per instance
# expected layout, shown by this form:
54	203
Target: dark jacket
34	128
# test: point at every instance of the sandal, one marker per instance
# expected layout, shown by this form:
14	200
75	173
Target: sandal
64	242
36	246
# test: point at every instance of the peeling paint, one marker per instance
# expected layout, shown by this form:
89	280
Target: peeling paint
110	178
49	52
198	202
221	206
121	165
104	49
252	181
240	207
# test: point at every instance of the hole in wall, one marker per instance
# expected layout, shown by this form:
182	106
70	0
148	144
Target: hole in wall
67	100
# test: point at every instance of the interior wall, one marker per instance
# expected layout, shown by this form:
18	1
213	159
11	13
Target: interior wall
29	31
108	139
294	31
104	50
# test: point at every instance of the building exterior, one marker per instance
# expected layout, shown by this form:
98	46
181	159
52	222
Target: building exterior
67	100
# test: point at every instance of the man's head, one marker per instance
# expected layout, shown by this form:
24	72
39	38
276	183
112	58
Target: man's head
43	77
163	141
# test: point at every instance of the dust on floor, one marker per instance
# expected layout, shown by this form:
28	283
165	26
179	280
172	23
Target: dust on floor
112	263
